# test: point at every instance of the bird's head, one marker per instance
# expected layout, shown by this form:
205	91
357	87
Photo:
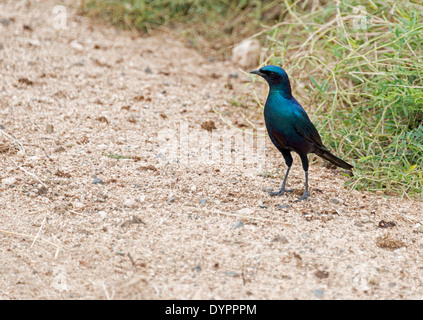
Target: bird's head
276	77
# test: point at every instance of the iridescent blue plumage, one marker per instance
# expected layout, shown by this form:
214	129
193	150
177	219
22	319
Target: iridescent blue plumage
289	126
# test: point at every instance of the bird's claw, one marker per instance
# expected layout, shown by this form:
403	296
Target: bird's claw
280	192
303	197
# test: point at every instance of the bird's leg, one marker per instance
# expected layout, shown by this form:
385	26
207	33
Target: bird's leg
306	193
304	161
282	189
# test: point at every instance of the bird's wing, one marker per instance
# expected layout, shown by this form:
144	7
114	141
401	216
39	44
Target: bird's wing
307	130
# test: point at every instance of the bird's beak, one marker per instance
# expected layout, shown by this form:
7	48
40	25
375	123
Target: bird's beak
257	72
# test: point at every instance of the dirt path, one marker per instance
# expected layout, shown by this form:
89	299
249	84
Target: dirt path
92	207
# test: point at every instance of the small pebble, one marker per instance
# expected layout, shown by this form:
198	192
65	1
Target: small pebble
284	206
335	201
59	149
318	293
245	211
97	181
78	205
103	214
129	203
49	128
161	156
237	225
231	274
261	205
76	45
281	239
170	200
365	220
8	181
418	229
203	201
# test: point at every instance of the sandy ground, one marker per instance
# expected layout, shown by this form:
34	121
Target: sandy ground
92	206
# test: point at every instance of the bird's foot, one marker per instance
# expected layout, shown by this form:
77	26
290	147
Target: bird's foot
280	192
303	197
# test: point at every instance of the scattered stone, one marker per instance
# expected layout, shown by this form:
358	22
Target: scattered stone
49	128
5	21
134	220
321	274
247	53
208	125
97	181
419	229
318	293
103	214
26	81
161	156
129	203
34	42
335	201
245	211
386	224
237	225
231	274
281	239
233	75
59	149
148	70
41	190
308	216
261	204
193	188
196	268
76	45
284	206
8	181
170	200
365	220
389	243
203	201
78	205
27	27
147	167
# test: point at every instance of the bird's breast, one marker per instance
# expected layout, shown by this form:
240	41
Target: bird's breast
280	125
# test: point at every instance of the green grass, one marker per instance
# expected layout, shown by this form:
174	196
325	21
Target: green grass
206	24
363	86
360	78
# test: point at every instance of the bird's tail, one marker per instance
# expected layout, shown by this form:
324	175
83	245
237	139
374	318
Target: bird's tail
325	154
